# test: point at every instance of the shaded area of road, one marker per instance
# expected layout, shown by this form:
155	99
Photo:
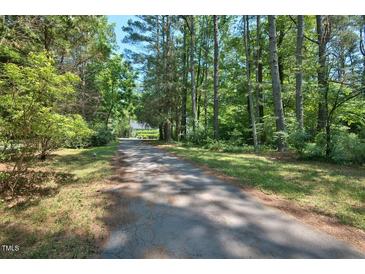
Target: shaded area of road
174	210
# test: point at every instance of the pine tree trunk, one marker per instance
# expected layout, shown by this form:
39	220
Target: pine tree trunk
192	72
167	131
259	74
259	78
299	73
248	79
184	88
216	77
322	75
276	86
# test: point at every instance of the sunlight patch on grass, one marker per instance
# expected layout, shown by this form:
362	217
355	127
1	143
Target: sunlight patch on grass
85	163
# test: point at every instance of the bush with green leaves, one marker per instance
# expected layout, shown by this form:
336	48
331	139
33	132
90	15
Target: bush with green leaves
78	133
30	98
147	133
348	148
61	130
199	137
224	146
101	136
298	140
214	145
236	137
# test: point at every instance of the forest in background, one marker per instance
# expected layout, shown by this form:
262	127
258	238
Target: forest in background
225	82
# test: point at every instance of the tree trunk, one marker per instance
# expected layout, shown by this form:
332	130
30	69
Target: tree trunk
299	73
177	126
108	116
199	76
259	78
248	79
259	74
276	86
216	78
167	131
328	139
160	129
192	73
184	88
280	41
322	75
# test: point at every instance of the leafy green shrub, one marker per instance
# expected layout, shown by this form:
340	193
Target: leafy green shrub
78	133
223	146
147	133
316	149
348	148
298	140
233	148
199	137
69	131
312	150
101	136
215	145
29	100
345	147
236	137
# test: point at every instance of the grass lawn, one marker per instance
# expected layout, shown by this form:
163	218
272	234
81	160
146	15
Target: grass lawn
64	217
332	190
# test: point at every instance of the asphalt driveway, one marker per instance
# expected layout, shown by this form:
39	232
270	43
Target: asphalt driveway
175	210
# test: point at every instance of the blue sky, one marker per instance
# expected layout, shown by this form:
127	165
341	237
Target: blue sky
120	21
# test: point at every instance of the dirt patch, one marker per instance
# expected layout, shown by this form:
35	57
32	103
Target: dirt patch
171	200
306	215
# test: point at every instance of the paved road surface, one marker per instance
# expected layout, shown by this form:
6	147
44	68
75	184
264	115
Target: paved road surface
177	211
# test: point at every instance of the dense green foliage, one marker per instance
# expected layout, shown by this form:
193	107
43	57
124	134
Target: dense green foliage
61	84
147	133
177	58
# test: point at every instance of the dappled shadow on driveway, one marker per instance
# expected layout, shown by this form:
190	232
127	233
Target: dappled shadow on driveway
172	209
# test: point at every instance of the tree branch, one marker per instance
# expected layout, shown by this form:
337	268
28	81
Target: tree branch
305	36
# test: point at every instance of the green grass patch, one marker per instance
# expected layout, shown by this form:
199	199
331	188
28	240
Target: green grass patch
85	164
329	189
66	218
